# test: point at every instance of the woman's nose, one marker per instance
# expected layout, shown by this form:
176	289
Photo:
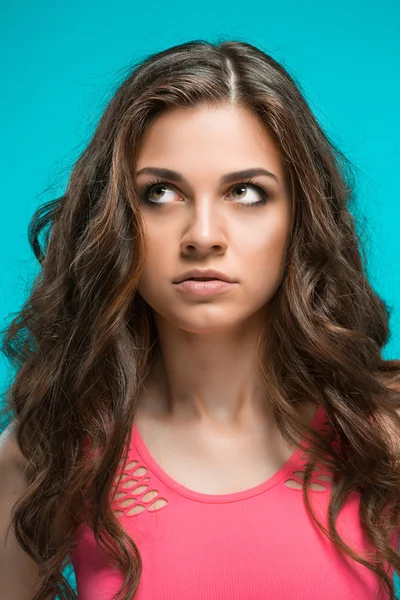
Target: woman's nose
205	230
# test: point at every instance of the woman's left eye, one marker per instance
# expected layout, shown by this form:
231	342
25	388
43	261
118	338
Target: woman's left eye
243	187
246	186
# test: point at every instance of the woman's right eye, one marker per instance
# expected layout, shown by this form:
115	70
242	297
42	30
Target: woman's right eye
153	192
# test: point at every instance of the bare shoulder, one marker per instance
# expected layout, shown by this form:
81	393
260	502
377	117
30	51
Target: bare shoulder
18	572
11	456
12	475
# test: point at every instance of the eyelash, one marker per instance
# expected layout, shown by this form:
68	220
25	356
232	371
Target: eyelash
248	182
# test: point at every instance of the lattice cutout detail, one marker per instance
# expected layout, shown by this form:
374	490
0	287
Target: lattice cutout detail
134	495
296	480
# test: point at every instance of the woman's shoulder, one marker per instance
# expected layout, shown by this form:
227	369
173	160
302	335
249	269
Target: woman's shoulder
11	457
19	577
392	431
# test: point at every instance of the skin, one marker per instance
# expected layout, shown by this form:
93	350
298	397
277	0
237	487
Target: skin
204	393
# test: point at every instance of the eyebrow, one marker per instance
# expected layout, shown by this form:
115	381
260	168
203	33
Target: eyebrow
175	176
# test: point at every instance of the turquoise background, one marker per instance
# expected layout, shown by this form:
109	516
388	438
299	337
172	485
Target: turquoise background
62	61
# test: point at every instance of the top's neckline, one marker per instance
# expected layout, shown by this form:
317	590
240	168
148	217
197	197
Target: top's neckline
153	465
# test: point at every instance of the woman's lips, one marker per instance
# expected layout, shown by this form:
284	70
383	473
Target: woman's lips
204	288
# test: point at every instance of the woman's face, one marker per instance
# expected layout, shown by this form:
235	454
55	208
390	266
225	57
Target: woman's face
199	222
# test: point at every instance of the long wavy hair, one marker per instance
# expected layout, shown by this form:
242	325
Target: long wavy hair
84	340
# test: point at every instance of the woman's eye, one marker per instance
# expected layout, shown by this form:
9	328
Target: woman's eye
245	194
155	192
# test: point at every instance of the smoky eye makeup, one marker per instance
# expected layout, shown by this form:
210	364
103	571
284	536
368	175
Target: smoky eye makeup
161	185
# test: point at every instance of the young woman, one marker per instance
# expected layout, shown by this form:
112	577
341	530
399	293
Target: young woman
201	408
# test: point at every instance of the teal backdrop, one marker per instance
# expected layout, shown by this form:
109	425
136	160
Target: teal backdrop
62	61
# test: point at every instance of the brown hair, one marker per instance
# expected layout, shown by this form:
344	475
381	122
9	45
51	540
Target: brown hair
83	342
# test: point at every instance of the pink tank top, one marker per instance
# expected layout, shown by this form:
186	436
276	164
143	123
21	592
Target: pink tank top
253	544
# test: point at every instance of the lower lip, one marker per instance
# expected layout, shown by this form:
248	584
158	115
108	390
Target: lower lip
204	288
